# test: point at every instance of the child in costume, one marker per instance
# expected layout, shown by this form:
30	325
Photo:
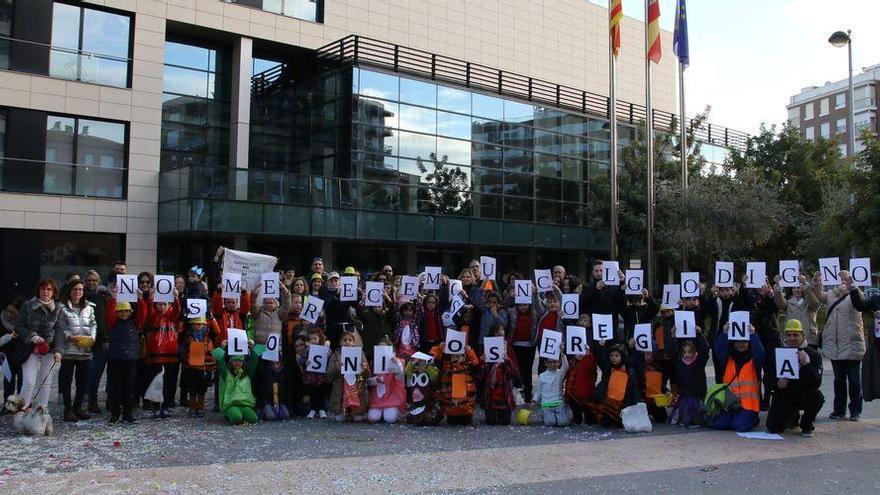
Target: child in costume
316	386
496	379
237	399
652	378
349	398
422	379
198	362
458	390
689	381
406	335
618	388
387	391
162	351
580	386
548	393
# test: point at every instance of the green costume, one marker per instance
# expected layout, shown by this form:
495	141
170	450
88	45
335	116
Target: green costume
237	399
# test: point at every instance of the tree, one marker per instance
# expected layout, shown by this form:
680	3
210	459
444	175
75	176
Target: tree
449	191
862	216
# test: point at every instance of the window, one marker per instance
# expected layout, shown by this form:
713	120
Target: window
810	133
71	146
840	100
841	126
90	45
825	131
823	106
794	115
307	10
195	105
842	148
808	111
864	96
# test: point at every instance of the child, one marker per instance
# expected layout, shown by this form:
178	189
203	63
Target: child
269	317
162	349
652	377
387	391
549	392
273	390
431	325
580	385
421	385
523	324
122	355
300	350
496	397
618	388
198	362
689	381
236	394
406	335
315	385
457	388
349	398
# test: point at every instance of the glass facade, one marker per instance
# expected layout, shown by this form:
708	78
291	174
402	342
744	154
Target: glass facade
307	10
90	45
427	148
85	157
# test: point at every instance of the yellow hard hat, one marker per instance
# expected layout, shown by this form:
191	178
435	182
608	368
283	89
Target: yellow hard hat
794	326
123	306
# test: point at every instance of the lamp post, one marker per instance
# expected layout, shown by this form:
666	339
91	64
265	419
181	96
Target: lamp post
838	40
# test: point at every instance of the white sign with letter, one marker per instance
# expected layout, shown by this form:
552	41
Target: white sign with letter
373	294
634	282
487	268
787	363
738	325
196	308
610	273
671	295
272	343
383	356
576	341
126	288
231	285
551	340
455	342
543	280
756	274
312	309
236	342
352	357
860	271
685	325
522	291
789	271
269	286
603	327
570	305
642	337
163	288
348	288
432	278
690	284
830	270
318	357
409	287
494	349
724	274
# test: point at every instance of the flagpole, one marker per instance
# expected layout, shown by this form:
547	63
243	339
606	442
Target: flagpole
649	139
684	149
612	117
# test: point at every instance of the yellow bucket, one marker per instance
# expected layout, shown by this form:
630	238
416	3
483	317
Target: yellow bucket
522	416
663	400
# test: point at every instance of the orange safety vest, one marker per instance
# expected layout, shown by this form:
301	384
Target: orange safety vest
745	386
653	383
617	385
660	337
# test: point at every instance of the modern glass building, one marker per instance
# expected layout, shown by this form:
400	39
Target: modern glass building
414	134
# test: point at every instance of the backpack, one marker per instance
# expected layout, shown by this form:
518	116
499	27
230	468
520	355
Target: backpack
719	399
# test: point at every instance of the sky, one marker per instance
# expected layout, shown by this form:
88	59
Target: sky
748	57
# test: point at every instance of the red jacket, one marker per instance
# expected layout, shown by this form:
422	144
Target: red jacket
229	319
161	333
580	381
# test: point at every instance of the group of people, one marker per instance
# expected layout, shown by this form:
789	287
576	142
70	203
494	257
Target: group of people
306	371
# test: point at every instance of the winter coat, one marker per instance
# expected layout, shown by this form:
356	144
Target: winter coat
537	310
229	319
805	311
689	380
337	312
266	381
77	322
235	388
871	363
99	299
161	333
487	320
35	318
633	392
496	384
843	337
809	377
549	389
205	336
334	374
610	300
580	381
633	315
268	322
125	335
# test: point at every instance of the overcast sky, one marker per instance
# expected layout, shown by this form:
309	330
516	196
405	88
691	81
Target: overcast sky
748	57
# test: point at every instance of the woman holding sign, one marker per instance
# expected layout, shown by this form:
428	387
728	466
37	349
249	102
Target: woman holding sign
742	360
843	342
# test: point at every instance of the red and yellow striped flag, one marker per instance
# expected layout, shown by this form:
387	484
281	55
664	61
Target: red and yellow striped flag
654	31
615	14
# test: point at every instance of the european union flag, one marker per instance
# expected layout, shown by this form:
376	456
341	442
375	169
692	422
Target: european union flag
680	38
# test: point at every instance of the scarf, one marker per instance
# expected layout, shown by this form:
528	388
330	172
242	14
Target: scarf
49	305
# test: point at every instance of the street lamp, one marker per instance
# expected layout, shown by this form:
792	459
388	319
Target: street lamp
840	39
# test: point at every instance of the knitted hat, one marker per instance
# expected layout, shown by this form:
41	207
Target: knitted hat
123	306
794	326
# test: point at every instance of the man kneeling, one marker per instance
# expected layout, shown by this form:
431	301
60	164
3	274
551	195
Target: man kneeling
790	397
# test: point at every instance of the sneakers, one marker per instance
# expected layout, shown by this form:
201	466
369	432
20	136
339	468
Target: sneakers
808	434
164	414
323	414
854	417
835	416
311	414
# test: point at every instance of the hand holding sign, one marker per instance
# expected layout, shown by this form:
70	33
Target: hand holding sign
543	280
270	286
789	272
409	287
738	325
126	288
164	288
685	325
610	272
642	337
231	285
830	270
787	364
551	341
860	271
603	327
634	282
236	342
432	278
576	340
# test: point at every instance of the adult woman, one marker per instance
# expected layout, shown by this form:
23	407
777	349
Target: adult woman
39	346
843	342
79	328
8	315
800	303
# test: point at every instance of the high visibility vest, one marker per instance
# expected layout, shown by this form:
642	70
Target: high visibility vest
653	383
745	386
617	385
660	337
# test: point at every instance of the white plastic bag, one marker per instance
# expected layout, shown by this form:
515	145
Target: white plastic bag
635	418
154	391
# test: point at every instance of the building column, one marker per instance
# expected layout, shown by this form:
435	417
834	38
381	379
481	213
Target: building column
240	126
411	259
327	255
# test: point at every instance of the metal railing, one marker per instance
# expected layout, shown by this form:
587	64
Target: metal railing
66	179
75	65
359	50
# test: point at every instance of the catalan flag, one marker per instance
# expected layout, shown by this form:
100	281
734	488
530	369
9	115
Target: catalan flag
615	15
654	31
680	39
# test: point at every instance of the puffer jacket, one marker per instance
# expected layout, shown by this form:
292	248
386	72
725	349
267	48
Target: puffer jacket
268	322
806	311
35	318
161	333
843	337
77	322
124	336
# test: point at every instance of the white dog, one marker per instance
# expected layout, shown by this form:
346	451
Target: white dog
33	421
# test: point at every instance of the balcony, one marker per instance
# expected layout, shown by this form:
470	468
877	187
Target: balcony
249	201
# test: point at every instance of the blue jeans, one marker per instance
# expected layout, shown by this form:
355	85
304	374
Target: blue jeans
740	421
99	361
847	375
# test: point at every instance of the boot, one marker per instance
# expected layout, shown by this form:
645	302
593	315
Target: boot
93	407
80	414
69	416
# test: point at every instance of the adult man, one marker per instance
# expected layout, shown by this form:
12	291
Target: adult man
318	267
338	313
98	295
790	396
600	298
717	305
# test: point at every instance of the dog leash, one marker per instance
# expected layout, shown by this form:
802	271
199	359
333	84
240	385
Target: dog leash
37	392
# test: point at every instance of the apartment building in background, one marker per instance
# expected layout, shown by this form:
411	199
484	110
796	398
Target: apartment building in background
823	111
406	131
